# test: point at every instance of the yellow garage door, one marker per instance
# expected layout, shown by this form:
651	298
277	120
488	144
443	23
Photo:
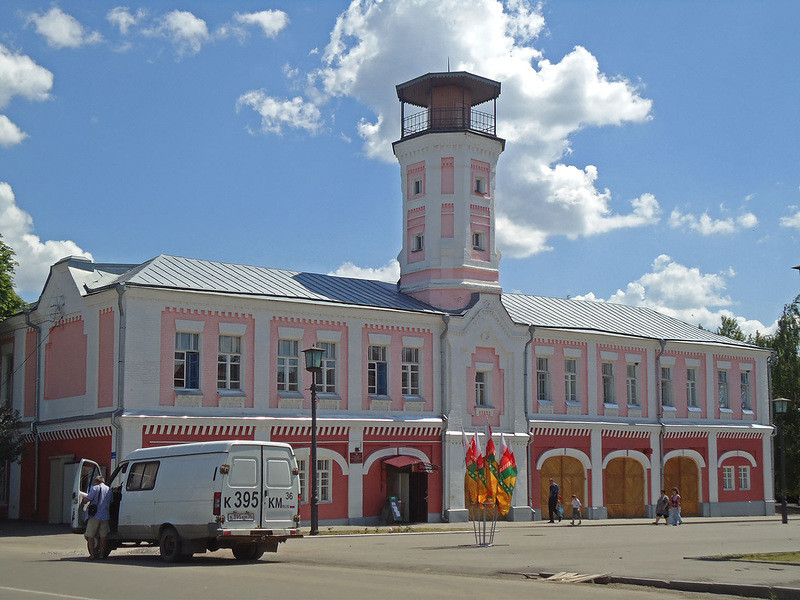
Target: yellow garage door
624	488
681	472
568	473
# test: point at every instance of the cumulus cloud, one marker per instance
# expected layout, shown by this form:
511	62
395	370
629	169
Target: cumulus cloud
792	220
33	255
684	293
390	272
187	32
278	114
705	225
62	30
124	19
10	134
271	22
376	44
21	76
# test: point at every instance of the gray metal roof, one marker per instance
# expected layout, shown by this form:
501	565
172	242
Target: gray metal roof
174	272
606	317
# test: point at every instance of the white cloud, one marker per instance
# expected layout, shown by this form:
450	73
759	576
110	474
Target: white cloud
62	30
277	114
124	19
376	44
21	76
10	134
187	32
684	293
271	22
705	225
33	255
390	272
792	220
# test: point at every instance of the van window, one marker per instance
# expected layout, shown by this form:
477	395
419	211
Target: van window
243	472
278	473
142	477
115	481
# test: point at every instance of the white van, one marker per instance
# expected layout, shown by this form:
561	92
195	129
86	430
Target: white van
191	498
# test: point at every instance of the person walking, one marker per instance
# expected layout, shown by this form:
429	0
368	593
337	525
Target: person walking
552	502
99	499
576	510
675	508
662	508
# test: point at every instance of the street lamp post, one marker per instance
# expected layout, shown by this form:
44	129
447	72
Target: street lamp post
314	365
781	406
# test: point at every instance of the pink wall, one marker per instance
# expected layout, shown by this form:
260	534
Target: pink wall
482	169
448	220
65	360
679	393
734	385
448	175
416	226
30	373
209	346
621	378
480	223
497	395
754	448
105	367
557	388
413	172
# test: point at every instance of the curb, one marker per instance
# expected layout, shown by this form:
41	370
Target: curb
730	589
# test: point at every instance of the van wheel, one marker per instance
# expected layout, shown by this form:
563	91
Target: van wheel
245	552
170	545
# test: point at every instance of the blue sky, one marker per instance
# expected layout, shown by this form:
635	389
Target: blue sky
651	154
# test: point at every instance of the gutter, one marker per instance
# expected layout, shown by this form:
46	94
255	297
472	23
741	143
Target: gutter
120	288
531	330
36	404
445	423
660	413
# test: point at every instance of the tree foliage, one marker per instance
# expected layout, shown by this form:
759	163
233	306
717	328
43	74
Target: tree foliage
10	438
10	303
730	328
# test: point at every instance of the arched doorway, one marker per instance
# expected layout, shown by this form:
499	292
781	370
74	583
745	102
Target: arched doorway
682	472
624	488
568	473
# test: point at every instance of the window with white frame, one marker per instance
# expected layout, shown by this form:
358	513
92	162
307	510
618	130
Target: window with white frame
666	386
480	185
722	388
288	366
377	371
745	386
727	479
543	379
326	380
229	363
324	480
416	187
571	379
417	243
482	396
632	385
609	397
691	387
410	372
478	240
187	361
302	471
744	477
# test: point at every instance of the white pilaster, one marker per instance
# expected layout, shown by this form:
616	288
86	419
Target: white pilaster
713	471
766	453
591	377
355	477
596	456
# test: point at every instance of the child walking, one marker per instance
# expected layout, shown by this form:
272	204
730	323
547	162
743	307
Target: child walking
576	510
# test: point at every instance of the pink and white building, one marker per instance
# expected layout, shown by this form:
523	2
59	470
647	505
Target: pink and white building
614	402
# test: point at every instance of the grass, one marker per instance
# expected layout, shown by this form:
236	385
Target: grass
772	557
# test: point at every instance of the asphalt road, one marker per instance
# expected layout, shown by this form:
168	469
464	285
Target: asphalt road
48	562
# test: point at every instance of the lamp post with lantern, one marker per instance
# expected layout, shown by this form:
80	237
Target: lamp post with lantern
781	406
314	365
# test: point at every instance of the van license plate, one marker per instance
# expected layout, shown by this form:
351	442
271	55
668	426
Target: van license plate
241	517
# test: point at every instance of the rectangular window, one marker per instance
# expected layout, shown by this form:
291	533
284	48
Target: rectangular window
745	386
543	379
477	240
187	361
417	243
727	479
303	474
410	373
632	385
417	187
744	477
327	377
609	397
288	366
480	185
142	476
571	379
324	480
722	389
229	363
377	371
691	388
481	388
666	386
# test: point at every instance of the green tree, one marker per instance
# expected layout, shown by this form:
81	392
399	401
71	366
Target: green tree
730	328
10	303
10	439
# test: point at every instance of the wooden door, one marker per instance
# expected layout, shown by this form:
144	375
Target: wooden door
624	488
682	472
568	473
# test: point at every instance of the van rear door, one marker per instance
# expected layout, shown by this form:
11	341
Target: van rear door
241	488
281	489
84	477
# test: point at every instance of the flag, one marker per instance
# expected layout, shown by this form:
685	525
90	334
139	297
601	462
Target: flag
492	474
507	478
480	469
471	475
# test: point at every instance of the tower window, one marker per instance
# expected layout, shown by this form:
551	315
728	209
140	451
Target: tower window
480	185
417	243
478	240
416	187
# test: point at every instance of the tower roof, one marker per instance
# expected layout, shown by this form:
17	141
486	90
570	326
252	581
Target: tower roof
418	91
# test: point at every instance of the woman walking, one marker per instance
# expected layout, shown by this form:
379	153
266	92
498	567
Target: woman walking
662	508
675	508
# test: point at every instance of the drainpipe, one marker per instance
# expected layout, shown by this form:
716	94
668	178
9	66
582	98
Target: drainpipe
445	424
120	374
526	356
36	404
660	412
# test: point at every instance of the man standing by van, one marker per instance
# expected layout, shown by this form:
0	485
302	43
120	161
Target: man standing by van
99	497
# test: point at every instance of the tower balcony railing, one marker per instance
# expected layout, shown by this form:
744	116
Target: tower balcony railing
449	119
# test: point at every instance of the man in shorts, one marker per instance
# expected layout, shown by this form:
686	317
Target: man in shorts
100	496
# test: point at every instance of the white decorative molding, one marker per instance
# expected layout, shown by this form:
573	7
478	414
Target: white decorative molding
413	342
484	366
633	358
188	400
745	366
238	329
611	411
329	403
290	403
545	408
574	410
725	414
387	452
573	352
380	339
383	405
189	326
749	415
635	454
692	362
328	336
581	456
605	355
693	454
323	454
414	405
735	453
667	360
231	402
723	364
544	350
635	412
291	333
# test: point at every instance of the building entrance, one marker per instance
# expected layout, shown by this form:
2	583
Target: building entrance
624	488
682	472
568	473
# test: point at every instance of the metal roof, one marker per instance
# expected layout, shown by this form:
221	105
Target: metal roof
178	273
606	317
417	90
